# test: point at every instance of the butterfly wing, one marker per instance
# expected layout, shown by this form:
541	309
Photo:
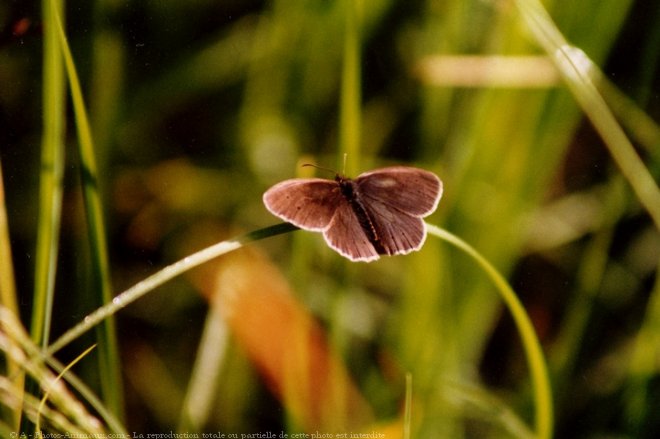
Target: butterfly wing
396	198
345	235
309	203
397	232
409	190
317	205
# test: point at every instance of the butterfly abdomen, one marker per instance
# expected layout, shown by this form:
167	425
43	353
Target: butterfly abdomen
349	191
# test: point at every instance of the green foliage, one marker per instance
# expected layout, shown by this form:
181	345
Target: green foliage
183	113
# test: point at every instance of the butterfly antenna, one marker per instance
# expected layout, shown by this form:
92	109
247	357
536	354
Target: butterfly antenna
343	169
320	167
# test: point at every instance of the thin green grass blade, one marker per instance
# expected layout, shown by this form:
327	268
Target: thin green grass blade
8	299
641	126
68	367
7	282
109	361
481	404
202	387
18	345
538	369
351	95
576	68
407	413
140	289
643	367
52	170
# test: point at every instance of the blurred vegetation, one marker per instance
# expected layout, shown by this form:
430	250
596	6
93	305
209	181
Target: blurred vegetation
195	108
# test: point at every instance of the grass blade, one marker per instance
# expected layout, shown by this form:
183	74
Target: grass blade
132	294
533	352
52	170
8	300
350	119
576	69
108	352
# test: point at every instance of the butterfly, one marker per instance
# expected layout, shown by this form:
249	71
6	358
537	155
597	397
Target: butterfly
378	213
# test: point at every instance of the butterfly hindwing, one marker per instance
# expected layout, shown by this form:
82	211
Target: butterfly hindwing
398	232
346	235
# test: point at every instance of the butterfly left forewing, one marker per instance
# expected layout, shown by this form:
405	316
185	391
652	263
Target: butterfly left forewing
307	203
411	190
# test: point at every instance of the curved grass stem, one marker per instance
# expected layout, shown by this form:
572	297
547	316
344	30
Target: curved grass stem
141	288
531	345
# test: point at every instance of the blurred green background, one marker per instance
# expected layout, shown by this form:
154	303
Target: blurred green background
197	107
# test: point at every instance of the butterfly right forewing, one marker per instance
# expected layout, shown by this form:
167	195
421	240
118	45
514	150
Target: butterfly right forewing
308	203
409	190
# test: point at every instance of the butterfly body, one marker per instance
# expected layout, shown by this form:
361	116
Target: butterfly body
350	191
378	213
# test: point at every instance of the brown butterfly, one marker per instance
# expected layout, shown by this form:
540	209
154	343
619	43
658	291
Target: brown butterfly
378	213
